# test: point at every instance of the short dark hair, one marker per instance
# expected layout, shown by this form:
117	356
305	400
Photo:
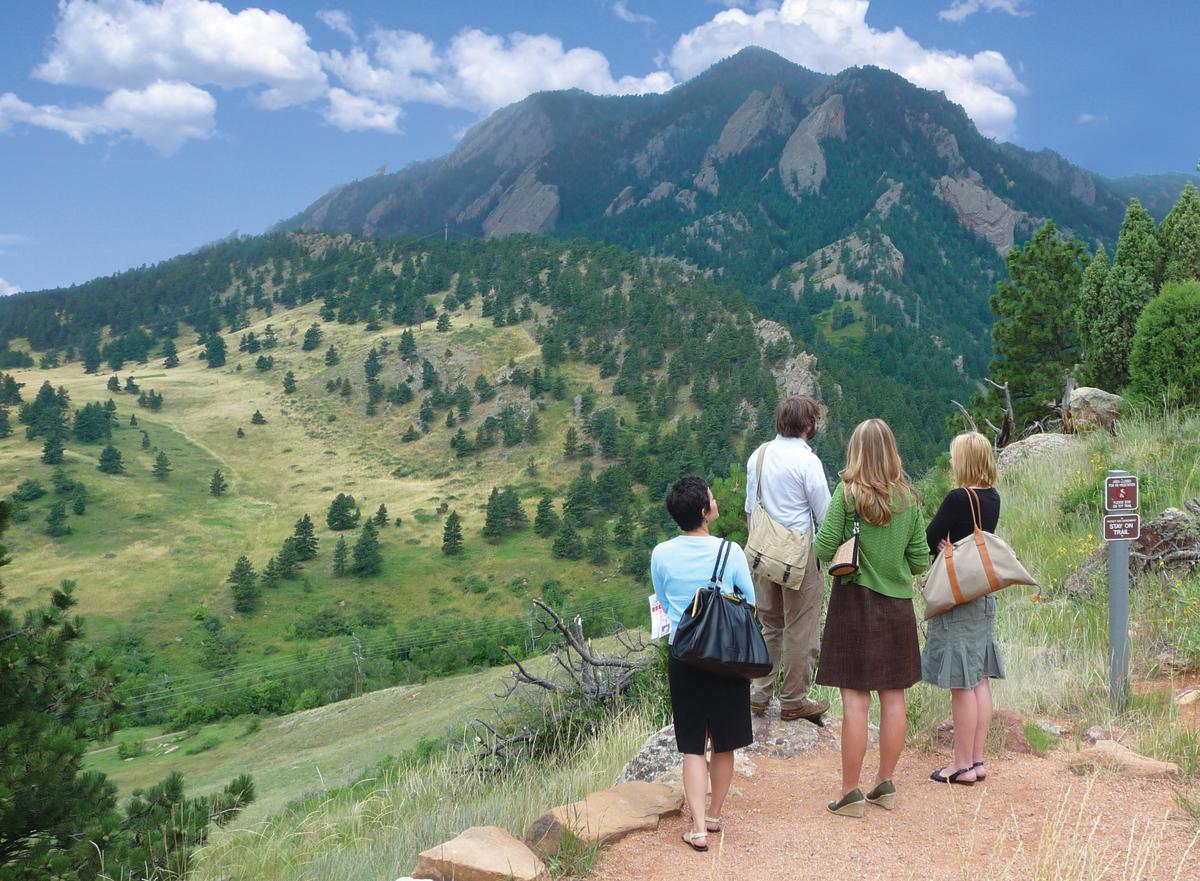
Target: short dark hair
797	416
688	501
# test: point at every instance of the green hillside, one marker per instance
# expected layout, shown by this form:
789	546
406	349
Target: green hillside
595	342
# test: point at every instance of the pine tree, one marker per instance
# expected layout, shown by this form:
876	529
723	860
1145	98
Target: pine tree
272	574
241	432
408	345
545	522
111	461
114	384
597	546
452	536
411	434
289	383
493	522
133	420
288	559
343	513
381	516
56	520
258	418
571	443
214	350
461	444
306	539
217	485
533	429
130	386
331	356
162	467
264	362
368	558
568	544
52	449
243	581
1180	236
170	354
312	338
79	500
624	531
5	424
462	398
341	555
510	509
581	497
145	441
372	366
443	322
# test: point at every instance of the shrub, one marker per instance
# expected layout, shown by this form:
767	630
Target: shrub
1165	360
131	749
28	490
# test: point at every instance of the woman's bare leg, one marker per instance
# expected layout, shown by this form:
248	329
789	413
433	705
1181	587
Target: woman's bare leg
963	708
695	787
854	736
720	769
893	725
983	720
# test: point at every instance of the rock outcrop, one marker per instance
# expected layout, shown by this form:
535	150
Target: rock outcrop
606	816
797	374
1112	756
759	115
623	202
1094	408
885	203
659	761
1036	446
980	210
834	264
527	206
802	165
481	853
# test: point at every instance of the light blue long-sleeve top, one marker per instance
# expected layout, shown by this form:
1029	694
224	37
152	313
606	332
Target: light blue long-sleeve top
683	565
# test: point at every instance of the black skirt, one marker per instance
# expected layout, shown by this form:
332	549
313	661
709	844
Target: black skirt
870	641
706	705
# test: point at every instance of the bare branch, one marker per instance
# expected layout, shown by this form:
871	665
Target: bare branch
966	415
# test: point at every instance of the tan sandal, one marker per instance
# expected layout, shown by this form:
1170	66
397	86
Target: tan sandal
689	838
712	824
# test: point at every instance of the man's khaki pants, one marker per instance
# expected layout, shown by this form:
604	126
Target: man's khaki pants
791	626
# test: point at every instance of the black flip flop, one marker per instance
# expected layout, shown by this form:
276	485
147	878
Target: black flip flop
937	777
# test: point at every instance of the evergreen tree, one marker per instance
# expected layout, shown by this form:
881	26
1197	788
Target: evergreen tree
429	377
568	544
1034	336
533	429
264	362
258	418
91	424
571	443
133	420
510	509
5	424
493	521
312	337
597	546
288	559
368	558
289	383
1180	237
372	366
243	581
452	536
443	322
462	399
341	556
461	444
411	434
162	467
131	386
545	522
381	516
111	461
114	384
52	449
306	539
145	441
241	432
214	350
624	532
217	485
1165	361
79	500
408	345
272	574
170	354
331	356
484	389
343	513
56	520
581	497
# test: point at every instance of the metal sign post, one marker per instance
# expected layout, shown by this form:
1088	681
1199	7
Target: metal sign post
1120	495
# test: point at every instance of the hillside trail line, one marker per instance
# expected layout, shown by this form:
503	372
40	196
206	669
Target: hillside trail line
1032	818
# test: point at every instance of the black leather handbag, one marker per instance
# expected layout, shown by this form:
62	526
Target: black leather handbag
719	632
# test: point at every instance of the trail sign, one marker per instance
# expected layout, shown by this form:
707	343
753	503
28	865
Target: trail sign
1122	527
1121	493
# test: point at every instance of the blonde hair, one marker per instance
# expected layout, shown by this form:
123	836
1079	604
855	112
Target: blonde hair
874	476
972	461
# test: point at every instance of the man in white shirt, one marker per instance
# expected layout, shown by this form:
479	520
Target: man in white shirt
795	493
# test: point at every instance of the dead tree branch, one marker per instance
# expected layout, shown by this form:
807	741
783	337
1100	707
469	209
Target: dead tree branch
966	415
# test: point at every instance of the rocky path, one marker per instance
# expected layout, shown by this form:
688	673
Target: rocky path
1033	818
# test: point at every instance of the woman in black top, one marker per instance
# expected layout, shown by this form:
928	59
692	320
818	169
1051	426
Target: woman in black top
960	646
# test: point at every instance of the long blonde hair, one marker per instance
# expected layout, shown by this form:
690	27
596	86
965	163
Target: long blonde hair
874	476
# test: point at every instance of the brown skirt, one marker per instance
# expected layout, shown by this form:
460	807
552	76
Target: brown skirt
870	641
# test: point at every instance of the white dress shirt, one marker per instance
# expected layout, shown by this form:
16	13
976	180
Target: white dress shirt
795	492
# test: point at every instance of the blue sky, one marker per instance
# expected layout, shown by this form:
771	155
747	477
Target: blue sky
134	130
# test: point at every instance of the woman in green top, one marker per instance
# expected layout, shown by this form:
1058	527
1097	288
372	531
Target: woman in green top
870	638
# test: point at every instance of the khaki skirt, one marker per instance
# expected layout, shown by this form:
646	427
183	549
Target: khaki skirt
870	641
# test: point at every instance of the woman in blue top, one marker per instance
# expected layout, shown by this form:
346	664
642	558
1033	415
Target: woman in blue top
706	707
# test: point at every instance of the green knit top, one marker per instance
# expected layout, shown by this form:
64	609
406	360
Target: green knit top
888	556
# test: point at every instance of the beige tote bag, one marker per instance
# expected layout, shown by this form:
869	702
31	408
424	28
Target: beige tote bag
972	567
775	552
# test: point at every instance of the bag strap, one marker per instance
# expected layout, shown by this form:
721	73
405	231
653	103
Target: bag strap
722	558
980	542
854	507
758	472
976	508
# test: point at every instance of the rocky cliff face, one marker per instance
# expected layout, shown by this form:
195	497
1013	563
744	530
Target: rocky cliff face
980	210
528	206
802	165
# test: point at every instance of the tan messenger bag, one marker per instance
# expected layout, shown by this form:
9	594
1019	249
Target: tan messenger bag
974	566
775	552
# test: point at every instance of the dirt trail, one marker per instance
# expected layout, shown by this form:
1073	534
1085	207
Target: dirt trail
1032	818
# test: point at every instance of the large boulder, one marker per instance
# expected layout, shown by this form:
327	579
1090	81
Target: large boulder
1112	756
606	816
1094	408
1034	447
481	853
659	761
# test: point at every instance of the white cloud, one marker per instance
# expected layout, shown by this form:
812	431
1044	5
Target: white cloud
338	20
353	113
7	287
163	114
834	35
115	44
622	11
1091	119
960	10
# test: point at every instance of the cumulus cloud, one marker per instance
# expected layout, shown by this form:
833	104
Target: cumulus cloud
353	113
961	10
7	287
338	20
622	11
163	114
834	35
